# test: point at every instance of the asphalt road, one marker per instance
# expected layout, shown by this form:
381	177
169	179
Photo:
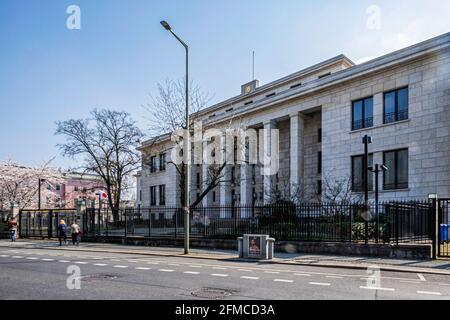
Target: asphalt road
43	274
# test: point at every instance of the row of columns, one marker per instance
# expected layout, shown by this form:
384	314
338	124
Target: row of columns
244	180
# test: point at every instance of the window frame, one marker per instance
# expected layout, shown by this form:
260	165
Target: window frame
371	186
363	111
153	196
162	162
397	185
162	194
153	164
396	112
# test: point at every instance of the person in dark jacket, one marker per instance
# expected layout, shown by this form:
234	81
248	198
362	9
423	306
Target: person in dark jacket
62	232
13	227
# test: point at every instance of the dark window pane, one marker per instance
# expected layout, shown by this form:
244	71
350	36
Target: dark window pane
368	112
402	107
402	169
370	174
389	176
357	178
357	115
389	107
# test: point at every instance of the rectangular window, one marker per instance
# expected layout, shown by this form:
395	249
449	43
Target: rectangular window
396	105
271	94
358	173
153	196
396	177
319	162
214	196
162	162
140	195
319	187
198	180
319	135
152	164
162	195
58	187
362	113
296	85
324	75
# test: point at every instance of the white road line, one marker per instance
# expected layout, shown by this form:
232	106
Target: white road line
142	268
64	261
219	275
195	266
244	270
32	258
100	264
120	267
334	277
152	263
271	272
375	288
4	256
191	272
249	278
219	268
48	259
81	262
421	277
302	274
283	280
17	257
133	261
320	283
429	292
166	270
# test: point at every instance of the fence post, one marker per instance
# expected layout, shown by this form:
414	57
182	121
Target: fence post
20	223
176	222
205	232
435	228
351	223
396	224
126	223
50	224
149	223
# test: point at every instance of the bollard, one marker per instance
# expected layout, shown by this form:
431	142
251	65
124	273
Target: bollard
240	247
270	248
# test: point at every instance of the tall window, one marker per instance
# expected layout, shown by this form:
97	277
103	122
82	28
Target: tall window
319	135
198	182
153	196
162	162
396	105
362	113
153	164
396	177
358	173
319	162
162	195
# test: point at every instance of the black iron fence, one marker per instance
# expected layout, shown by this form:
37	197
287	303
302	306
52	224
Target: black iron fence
387	222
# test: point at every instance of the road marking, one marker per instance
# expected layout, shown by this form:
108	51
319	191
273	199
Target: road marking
302	274
249	278
133	261
219	275
376	288
152	263
334	277
166	270
17	257
271	272
48	259
173	264
429	292
444	284
116	260
81	262
121	267
64	261
421	277
4	256
142	268
100	264
410	281
244	270
219	268
195	266
191	272
320	283
32	258
283	280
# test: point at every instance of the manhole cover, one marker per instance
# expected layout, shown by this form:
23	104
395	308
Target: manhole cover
92	277
211	293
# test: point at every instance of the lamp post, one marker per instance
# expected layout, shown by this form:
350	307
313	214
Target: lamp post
376	170
366	140
186	142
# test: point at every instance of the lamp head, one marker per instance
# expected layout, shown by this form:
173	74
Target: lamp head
383	167
166	25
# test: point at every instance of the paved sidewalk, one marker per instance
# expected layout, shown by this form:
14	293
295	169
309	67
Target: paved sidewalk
354	262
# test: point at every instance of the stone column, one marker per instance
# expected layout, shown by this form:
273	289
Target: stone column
205	201
245	178
296	152
378	109
267	169
225	187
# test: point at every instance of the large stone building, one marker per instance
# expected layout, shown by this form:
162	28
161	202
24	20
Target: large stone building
401	100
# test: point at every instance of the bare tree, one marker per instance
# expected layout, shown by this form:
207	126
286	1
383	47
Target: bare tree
337	190
106	143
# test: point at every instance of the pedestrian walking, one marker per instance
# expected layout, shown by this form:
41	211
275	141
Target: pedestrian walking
13	227
62	232
76	234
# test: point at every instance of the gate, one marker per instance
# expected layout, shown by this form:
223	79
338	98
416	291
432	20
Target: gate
443	225
44	223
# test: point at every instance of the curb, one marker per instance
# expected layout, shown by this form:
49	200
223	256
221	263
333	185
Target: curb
275	261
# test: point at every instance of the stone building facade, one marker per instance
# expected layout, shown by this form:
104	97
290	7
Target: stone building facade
401	100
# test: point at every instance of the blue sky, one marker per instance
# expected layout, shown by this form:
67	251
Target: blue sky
50	73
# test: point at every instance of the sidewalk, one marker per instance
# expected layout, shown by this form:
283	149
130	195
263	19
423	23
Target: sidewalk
351	262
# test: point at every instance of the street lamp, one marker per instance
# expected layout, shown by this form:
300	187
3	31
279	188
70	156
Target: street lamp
186	142
366	140
376	170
